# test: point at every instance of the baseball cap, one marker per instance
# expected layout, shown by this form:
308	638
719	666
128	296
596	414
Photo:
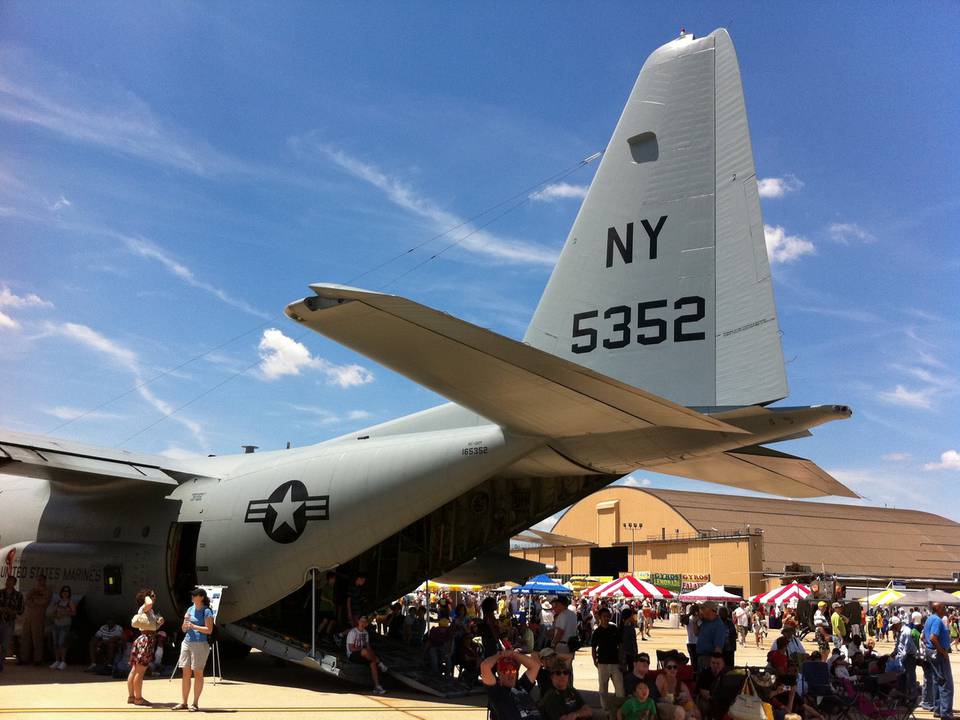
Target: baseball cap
507	664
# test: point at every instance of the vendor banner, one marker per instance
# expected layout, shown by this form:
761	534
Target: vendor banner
669	581
692	582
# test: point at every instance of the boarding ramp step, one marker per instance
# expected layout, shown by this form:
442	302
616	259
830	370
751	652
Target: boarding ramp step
284	647
406	664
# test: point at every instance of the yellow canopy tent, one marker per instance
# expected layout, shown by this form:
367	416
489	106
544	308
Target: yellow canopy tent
884	597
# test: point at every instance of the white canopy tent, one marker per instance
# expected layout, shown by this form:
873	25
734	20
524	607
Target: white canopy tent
710	592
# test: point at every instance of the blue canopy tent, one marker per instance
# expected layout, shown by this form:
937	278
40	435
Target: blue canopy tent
541	585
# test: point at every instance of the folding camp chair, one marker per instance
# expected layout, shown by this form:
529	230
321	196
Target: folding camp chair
867	706
816	678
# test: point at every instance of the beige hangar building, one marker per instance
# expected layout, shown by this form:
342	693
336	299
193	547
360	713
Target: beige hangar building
749	544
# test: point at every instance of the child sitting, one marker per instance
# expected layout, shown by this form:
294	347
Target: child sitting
639	706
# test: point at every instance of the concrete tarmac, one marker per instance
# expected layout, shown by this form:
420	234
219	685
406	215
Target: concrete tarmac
261	687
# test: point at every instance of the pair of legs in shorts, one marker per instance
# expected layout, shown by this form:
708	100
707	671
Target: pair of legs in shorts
193	658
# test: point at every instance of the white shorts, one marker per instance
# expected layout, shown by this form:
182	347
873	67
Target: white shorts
194	654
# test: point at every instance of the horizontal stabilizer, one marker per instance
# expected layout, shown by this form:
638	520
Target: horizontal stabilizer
762	470
526	390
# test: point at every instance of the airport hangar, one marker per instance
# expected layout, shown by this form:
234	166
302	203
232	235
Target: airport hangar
749	544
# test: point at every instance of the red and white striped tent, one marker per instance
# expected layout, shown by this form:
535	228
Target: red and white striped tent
781	595
631	587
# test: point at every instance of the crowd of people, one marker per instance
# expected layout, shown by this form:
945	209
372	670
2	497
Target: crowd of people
522	649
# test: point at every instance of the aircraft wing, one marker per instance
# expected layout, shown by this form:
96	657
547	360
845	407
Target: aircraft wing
526	390
39	456
763	470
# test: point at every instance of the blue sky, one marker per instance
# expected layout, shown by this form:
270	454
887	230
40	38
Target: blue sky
170	178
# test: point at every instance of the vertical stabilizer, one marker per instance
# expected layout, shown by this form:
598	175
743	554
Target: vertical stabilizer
664	281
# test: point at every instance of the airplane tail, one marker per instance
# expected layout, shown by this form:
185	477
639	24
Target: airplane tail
664	282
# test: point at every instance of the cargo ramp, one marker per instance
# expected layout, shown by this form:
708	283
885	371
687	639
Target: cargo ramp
405	663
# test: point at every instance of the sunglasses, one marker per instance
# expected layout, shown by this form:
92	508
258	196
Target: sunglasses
670	667
560	672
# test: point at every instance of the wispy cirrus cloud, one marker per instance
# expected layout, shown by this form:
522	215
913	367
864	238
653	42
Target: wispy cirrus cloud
128	360
849	233
784	248
59	204
32	92
404	196
560	191
282	355
147	249
777	187
921	398
66	412
928	382
7	322
323	416
897	457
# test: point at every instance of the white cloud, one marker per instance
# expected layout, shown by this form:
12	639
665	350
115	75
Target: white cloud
8	299
778	186
145	248
469	237
560	190
345	375
847	233
65	412
906	397
8	323
897	457
359	415
783	248
281	355
126	359
949	460
633	481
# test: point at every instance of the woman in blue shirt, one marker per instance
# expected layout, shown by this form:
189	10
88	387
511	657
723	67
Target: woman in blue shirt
197	626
